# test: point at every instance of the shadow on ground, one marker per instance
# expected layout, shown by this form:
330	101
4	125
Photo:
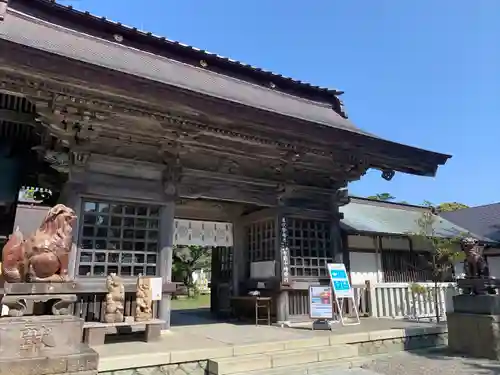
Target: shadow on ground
199	316
445	358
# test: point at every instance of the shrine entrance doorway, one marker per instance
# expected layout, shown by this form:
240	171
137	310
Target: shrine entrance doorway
202	267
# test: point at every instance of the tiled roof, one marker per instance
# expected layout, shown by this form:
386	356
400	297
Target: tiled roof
55	39
482	220
58	30
202	54
364	215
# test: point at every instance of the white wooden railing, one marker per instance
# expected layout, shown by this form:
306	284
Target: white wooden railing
403	300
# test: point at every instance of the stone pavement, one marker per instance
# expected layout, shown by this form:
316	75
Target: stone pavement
195	343
419	363
425	363
226	335
353	371
240	334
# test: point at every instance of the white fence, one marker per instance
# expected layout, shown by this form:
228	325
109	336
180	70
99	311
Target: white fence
404	300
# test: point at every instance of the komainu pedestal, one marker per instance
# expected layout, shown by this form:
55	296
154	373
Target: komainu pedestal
474	326
45	345
41	337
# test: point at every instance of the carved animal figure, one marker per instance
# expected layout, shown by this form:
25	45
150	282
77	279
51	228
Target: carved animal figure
475	266
13	269
114	299
44	256
143	301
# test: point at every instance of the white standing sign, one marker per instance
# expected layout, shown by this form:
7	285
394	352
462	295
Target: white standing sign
156	285
342	290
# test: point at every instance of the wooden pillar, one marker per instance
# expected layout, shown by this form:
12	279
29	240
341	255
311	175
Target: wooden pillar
340	247
164	269
346	255
239	254
282	308
336	235
377	241
70	197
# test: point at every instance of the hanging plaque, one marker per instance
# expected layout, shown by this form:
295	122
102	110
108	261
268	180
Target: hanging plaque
285	253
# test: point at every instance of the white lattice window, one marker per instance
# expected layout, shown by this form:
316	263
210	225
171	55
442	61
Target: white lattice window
119	238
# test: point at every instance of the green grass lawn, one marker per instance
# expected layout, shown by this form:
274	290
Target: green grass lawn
200	302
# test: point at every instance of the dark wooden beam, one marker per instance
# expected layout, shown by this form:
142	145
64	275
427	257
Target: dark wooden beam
17	117
202	185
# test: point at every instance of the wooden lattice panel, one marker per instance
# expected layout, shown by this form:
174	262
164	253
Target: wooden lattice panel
261	241
119	238
309	242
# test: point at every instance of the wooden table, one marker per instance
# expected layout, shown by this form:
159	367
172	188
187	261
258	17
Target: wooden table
259	303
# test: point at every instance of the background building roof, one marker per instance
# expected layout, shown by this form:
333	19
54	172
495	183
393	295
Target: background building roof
370	216
482	220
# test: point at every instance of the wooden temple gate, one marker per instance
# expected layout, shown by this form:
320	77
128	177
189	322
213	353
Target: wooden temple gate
136	126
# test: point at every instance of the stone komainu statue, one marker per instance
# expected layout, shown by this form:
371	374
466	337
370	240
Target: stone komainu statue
475	266
115	299
44	256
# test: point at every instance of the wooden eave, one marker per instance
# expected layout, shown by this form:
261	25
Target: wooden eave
271	113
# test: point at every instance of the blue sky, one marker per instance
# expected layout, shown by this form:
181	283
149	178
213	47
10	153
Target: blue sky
425	73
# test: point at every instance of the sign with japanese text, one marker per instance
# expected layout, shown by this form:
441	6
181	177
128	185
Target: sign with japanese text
285	253
340	280
320	302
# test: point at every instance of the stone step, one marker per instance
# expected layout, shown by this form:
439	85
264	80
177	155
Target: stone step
347	366
337	367
280	359
266	347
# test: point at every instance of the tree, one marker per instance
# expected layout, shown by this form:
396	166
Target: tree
451	206
386	197
187	259
445	252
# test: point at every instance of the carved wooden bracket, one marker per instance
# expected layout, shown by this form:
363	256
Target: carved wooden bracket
172	173
79	159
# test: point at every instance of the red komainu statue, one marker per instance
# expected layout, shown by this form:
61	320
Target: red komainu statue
44	256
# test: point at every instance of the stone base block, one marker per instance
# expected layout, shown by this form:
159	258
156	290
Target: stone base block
44	345
83	363
474	334
33	336
477	304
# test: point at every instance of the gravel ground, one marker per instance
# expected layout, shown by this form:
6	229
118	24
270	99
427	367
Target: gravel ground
431	363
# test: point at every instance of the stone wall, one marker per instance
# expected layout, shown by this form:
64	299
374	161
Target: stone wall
402	343
188	368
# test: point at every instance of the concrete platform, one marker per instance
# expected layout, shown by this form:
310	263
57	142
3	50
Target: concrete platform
218	345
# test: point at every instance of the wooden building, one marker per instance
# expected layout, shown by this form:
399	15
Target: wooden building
378	247
141	129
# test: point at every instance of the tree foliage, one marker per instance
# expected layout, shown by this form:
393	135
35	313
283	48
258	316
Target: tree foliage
450	206
443	207
187	259
386	197
444	251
